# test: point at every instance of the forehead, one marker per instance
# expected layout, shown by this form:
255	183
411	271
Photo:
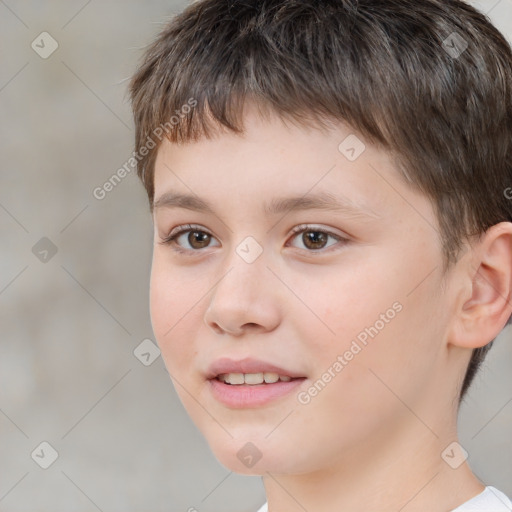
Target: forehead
282	166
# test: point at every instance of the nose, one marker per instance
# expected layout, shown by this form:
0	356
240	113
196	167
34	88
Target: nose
246	299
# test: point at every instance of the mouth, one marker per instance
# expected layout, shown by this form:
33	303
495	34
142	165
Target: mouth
252	390
250	382
253	379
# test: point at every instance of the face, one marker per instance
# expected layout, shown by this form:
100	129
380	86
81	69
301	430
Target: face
341	297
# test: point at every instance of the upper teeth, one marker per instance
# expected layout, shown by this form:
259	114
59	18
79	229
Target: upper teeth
252	378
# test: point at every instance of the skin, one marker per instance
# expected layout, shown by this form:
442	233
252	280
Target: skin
372	439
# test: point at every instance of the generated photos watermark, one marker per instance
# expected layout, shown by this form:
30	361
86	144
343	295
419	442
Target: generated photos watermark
356	347
158	133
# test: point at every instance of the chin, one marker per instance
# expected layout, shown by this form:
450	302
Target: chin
253	458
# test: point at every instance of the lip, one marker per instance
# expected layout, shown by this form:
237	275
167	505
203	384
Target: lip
254	395
246	396
247	365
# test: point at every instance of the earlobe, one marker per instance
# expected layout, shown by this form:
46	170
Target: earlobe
482	317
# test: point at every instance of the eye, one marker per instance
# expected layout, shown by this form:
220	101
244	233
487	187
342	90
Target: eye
196	237
315	239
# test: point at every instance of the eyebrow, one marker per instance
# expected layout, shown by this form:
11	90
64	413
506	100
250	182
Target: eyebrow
318	201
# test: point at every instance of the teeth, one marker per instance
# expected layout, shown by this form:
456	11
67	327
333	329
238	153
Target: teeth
234	378
270	377
252	378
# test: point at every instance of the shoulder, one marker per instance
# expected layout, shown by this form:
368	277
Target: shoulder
489	500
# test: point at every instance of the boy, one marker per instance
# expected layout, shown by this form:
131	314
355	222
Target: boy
333	239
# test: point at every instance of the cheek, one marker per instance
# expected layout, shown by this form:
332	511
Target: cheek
162	298
349	303
378	319
173	316
355	384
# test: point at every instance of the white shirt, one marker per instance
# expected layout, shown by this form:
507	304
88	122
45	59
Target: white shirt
489	500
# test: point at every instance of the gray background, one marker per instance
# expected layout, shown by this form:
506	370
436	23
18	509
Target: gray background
69	325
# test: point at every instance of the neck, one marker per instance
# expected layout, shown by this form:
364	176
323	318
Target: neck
400	470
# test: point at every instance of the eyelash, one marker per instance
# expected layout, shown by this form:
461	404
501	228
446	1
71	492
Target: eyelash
171	238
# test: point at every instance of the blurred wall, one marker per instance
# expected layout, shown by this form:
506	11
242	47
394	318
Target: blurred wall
74	277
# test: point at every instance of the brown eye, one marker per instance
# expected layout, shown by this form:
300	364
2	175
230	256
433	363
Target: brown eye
191	239
198	239
314	239
188	239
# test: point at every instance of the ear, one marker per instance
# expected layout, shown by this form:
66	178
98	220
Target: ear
488	281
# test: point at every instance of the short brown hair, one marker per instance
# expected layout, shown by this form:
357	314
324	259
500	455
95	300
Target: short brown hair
430	81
